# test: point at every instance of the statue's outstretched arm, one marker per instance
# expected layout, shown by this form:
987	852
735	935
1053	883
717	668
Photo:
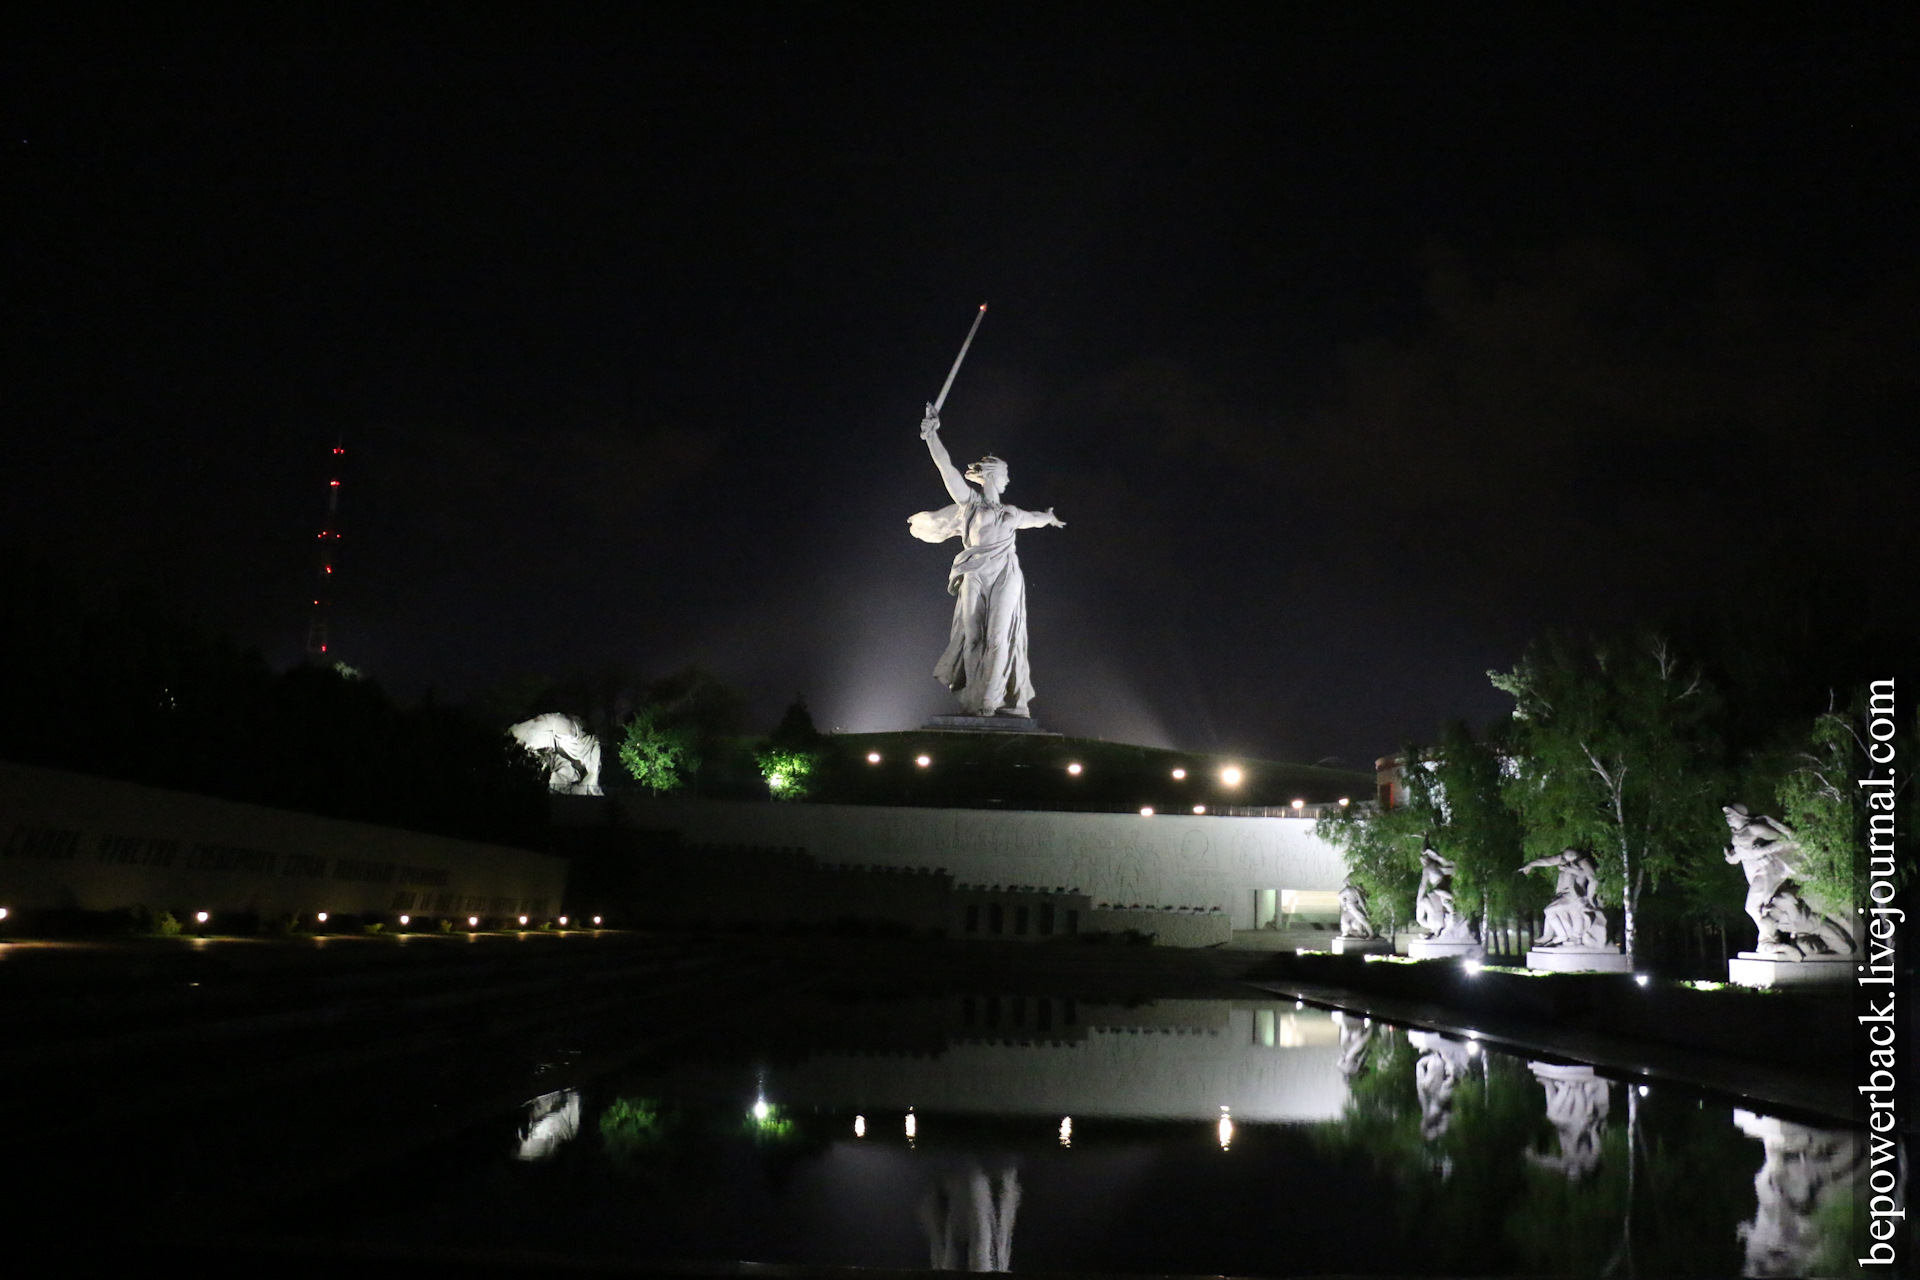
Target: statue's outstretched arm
949	476
1039	520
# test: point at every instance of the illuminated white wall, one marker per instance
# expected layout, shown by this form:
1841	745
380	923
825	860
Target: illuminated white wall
1169	860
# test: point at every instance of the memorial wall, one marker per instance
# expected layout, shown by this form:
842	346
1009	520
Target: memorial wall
72	841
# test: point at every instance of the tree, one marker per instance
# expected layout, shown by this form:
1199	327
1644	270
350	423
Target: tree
1615	752
654	752
1827	811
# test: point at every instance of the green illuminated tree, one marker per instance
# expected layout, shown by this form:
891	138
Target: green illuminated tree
655	753
789	773
1616	753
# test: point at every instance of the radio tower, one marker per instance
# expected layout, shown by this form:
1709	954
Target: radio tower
323	566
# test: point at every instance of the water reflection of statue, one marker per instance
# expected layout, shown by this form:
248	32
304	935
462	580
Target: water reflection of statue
1574	916
1790	927
1433	903
552	1118
969	1222
985	663
1577	1106
1356	1043
1442	1064
1804	1167
1353	912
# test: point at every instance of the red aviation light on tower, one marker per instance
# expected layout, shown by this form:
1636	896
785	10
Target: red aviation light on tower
318	642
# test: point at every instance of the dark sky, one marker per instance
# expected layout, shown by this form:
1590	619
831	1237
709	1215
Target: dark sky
1354	343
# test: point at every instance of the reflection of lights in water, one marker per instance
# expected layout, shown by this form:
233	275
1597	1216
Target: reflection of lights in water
1226	1129
859	1126
760	1109
1066	1131
552	1118
912	1126
1643	1091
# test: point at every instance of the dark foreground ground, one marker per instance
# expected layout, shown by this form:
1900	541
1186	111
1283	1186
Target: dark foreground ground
226	1100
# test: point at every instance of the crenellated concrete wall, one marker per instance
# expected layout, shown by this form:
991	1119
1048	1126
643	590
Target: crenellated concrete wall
1121	862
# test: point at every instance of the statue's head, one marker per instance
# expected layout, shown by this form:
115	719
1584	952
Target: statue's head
989	471
1737	815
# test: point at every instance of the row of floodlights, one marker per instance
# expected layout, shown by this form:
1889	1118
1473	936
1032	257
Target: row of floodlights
1230	776
320	917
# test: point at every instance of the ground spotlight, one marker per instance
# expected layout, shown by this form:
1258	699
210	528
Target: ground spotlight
596	920
1179	775
1074	768
1472	967
473	922
1231	775
321	917
1344	802
1199	808
406	920
1298	805
923	761
200	917
1146	811
3	913
873	757
1641	978
523	920
563	922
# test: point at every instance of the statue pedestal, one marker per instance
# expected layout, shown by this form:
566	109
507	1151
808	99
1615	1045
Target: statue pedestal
1750	970
1362	946
986	724
1435	949
1579	960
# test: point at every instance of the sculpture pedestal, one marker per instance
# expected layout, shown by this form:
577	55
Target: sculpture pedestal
1362	946
1435	949
1579	960
1750	970
986	724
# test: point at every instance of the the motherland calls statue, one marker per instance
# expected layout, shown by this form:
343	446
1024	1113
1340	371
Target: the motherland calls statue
1354	922
562	745
1433	903
1791	928
1574	916
985	663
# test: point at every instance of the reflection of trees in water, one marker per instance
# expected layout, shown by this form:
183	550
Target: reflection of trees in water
1455	1152
1805	1169
969	1219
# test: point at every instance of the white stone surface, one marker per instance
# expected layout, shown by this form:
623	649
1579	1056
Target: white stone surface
1806	1170
985	662
1577	1105
1445	949
563	746
1580	960
1354	922
1175	860
1362	946
1433	903
1751	970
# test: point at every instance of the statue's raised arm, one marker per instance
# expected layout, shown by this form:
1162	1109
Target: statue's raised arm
949	474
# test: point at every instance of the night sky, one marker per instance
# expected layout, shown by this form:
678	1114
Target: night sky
1355	344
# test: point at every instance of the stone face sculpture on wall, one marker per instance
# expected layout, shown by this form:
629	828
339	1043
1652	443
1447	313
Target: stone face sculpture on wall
563	746
1354	922
1791	927
1574	916
985	663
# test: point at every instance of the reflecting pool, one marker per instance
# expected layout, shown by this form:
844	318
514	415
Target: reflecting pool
999	1132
